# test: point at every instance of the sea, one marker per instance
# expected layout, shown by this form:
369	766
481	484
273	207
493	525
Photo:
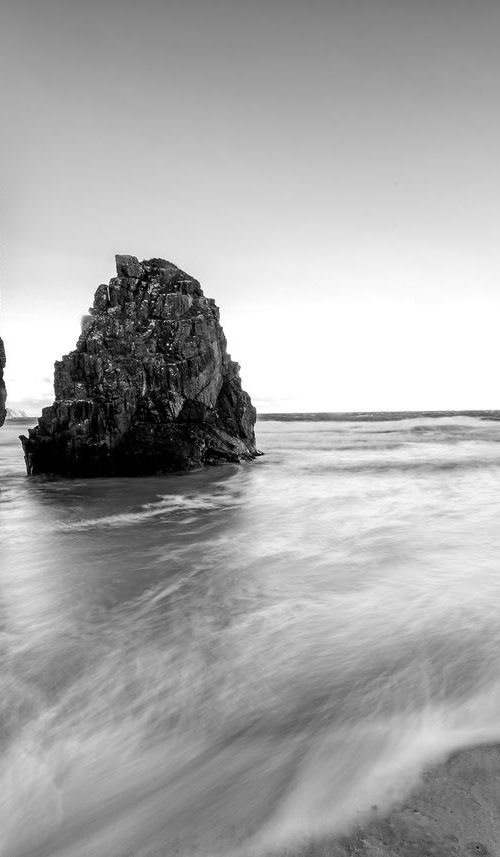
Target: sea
246	660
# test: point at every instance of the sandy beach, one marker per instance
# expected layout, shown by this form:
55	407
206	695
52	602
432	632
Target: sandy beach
454	810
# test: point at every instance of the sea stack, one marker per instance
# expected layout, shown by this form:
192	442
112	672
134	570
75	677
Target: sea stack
3	391
150	387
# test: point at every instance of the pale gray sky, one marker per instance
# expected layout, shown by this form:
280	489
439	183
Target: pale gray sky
328	170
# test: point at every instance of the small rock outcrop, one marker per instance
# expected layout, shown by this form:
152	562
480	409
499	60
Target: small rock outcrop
150	387
3	391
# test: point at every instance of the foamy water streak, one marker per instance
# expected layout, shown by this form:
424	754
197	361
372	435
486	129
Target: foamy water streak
162	508
231	662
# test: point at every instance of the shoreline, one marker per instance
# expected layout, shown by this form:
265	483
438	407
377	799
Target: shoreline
453	810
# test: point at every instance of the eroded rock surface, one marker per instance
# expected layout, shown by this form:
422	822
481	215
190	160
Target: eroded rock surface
150	387
3	391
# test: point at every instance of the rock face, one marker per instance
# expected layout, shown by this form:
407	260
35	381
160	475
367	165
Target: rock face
150	387
3	391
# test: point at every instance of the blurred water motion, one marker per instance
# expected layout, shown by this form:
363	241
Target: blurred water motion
229	662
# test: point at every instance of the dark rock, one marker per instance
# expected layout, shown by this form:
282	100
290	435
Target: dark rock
128	266
150	387
3	391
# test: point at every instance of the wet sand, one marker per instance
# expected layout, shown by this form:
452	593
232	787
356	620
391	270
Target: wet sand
454	810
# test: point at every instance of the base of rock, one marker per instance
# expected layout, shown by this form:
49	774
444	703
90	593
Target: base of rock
144	453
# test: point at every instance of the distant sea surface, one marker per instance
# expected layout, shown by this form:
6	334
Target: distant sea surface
235	661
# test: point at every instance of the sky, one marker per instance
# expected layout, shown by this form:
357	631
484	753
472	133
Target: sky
328	170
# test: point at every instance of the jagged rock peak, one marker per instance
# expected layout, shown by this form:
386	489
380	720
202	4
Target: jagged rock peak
3	391
150	387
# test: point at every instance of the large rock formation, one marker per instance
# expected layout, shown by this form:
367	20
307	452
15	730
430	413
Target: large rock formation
150	387
3	391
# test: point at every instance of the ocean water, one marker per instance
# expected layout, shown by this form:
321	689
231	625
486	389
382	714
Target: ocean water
240	660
